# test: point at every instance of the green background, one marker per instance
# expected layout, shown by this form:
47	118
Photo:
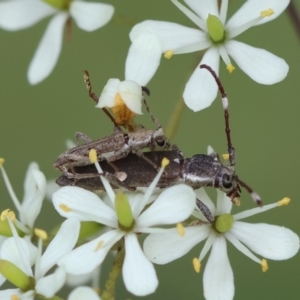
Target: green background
36	120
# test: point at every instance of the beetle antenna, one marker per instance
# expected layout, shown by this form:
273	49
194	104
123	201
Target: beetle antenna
86	78
231	150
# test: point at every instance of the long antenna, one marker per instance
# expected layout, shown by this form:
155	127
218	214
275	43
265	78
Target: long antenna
86	78
231	150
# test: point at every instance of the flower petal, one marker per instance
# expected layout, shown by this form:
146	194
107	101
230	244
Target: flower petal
63	242
143	58
83	293
91	16
203	7
173	205
48	50
131	94
20	14
224	204
34	193
201	89
107	97
48	286
76	200
138	272
172	36
260	65
252	9
162	248
269	241
9	293
87	257
218	276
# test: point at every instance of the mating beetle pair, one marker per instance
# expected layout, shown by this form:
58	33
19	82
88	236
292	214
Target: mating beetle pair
123	152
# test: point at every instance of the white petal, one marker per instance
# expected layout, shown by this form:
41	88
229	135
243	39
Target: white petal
260	65
48	286
9	293
83	204
162	248
63	242
83	293
171	36
87	257
224	204
201	89
18	253
173	205
34	193
20	14
91	16
143	58
48	50
77	280
131	93
269	241
107	97
218	276
252	9
203	7
138	272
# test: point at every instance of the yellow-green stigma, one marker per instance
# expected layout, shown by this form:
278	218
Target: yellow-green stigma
59	4
224	223
215	29
16	276
124	213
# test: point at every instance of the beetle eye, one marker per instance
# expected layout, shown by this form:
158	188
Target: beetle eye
160	142
227	181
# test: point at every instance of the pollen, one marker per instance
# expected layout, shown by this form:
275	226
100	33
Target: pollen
230	68
65	207
284	201
123	115
168	54
93	156
14	297
180	229
267	13
197	265
8	214
99	245
164	162
236	201
225	156
264	265
42	234
2	160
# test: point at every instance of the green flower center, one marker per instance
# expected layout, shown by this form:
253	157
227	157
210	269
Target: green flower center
215	29
224	223
59	4
124	213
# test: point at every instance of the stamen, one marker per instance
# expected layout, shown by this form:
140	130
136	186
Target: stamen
93	156
15	297
284	201
180	229
267	13
99	245
2	160
168	54
164	162
236	201
264	265
8	214
230	68
65	207
42	234
225	156
197	265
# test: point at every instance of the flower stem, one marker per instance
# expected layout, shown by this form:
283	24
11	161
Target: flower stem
110	285
294	17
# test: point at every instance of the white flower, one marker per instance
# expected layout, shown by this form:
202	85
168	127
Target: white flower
21	253
173	205
34	193
21	14
217	36
270	241
83	293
